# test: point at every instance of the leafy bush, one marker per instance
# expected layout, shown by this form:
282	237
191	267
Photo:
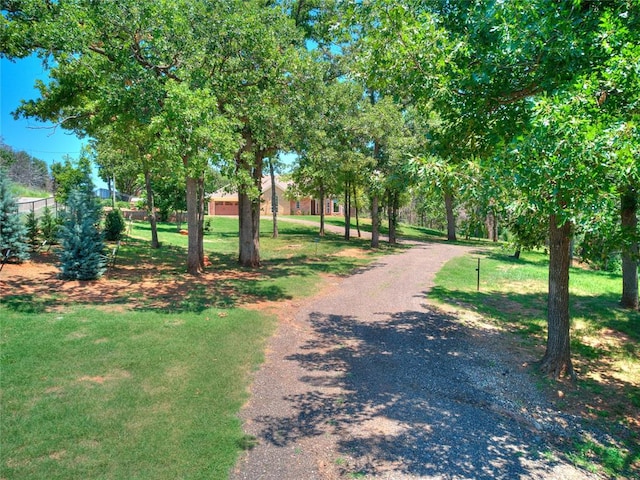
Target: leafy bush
107	202
600	250
114	225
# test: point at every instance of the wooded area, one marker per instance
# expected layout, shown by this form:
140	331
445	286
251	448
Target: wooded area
514	113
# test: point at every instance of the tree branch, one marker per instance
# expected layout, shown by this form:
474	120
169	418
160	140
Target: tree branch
158	69
55	126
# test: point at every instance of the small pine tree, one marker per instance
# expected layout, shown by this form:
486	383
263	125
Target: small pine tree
33	229
82	256
114	225
13	234
49	226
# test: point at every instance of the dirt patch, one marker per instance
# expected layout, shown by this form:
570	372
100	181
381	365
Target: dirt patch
144	285
102	379
352	252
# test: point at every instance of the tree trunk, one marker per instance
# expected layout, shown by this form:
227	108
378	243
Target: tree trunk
249	218
391	225
491	223
249	161
355	199
112	187
375	222
194	266
396	214
557	358
274	199
152	210
392	211
245	228
322	199
451	219
347	210
200	221
629	214
255	209
375	199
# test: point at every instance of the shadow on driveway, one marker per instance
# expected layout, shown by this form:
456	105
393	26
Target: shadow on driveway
404	400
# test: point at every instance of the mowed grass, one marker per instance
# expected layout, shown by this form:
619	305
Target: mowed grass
406	231
96	394
290	266
605	339
148	387
221	241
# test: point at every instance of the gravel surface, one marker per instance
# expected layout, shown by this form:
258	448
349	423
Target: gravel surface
368	381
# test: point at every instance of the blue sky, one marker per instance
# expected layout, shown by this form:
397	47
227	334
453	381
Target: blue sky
40	140
36	138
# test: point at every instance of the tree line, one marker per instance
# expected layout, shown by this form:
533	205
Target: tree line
516	113
21	167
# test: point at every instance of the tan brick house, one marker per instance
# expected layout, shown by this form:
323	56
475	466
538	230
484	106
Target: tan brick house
223	202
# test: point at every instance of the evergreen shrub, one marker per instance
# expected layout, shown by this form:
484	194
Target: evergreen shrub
82	256
49	226
114	225
13	233
33	229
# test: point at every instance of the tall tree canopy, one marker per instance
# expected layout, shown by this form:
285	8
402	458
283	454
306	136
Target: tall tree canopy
497	71
202	79
542	95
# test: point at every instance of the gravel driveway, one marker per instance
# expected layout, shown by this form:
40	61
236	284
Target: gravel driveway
367	381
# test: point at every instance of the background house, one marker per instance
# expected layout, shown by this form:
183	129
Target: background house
224	202
311	206
284	204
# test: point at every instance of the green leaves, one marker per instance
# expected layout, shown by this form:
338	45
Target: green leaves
189	127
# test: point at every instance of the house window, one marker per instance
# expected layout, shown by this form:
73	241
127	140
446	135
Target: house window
328	209
298	205
336	207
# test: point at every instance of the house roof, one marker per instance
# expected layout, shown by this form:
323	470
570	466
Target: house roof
226	194
222	195
266	183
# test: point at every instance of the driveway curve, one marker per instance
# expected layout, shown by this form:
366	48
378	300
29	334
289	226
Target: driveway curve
369	381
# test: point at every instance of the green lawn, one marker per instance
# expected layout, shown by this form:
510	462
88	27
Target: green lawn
148	385
18	190
403	230
92	394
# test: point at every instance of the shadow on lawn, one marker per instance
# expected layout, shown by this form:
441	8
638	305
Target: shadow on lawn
155	279
27	303
525	311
